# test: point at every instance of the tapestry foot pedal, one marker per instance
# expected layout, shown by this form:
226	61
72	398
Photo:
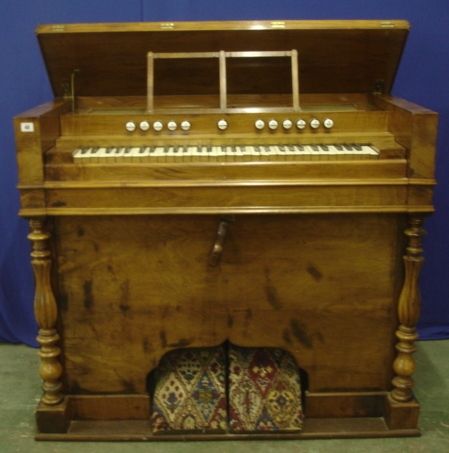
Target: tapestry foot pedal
190	395
264	391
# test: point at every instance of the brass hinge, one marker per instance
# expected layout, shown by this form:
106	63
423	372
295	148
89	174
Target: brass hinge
379	86
277	24
58	27
387	24
167	25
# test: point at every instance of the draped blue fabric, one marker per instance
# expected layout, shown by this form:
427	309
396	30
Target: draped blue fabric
422	78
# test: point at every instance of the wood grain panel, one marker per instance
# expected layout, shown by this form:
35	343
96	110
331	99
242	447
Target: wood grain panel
132	289
334	196
374	48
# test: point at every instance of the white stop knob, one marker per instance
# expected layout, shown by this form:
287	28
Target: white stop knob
260	124
222	124
157	126
172	125
273	124
144	125
130	126
315	124
185	125
301	124
328	123
287	124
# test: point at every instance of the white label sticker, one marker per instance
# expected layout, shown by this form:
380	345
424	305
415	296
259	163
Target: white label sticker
26	127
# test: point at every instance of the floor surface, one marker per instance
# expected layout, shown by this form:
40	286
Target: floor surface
20	391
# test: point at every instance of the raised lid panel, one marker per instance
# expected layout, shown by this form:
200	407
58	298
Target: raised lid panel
334	56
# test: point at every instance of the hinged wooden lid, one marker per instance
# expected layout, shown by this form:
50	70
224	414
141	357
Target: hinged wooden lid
334	56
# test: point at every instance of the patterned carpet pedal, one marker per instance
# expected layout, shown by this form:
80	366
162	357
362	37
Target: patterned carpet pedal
190	394
264	391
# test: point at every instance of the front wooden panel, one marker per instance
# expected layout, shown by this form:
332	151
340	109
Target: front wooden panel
213	197
323	287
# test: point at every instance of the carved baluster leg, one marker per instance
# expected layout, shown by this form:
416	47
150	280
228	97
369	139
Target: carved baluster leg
408	312
45	310
402	408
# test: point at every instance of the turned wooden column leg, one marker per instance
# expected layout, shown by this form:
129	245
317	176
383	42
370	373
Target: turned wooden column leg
408	312
45	310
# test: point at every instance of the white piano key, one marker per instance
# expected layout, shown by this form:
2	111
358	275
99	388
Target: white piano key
88	154
158	151
367	152
289	150
170	151
106	154
331	150
100	155
275	150
240	151
251	151
134	151
192	151
122	155
113	151
78	154
216	151
299	150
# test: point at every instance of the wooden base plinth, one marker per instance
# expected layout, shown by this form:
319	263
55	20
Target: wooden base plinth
401	415
54	419
127	418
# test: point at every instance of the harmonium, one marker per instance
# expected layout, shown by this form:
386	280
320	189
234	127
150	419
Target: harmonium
226	222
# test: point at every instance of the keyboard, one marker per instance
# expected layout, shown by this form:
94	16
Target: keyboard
123	154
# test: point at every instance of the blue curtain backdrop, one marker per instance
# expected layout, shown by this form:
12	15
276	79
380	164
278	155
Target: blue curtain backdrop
423	78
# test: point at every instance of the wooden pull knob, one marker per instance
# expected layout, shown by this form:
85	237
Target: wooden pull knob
217	248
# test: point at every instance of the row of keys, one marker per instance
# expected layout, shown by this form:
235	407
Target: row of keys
124	154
